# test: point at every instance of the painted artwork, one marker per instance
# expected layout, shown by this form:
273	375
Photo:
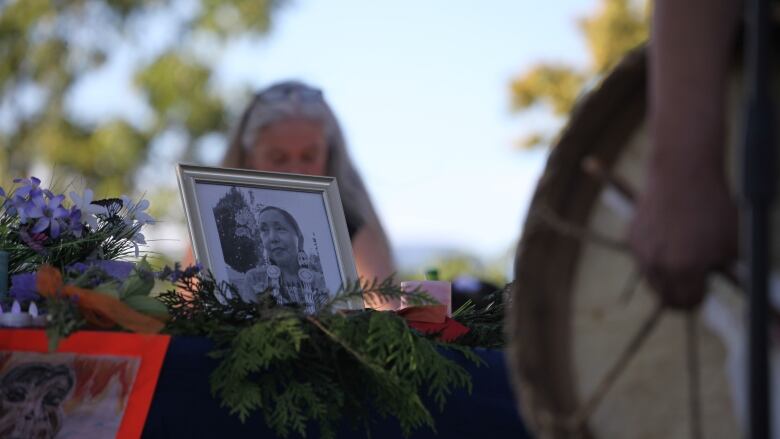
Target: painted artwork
61	396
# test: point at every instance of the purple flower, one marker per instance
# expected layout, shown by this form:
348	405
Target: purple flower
30	186
138	238
119	270
171	274
19	206
2	192
85	275
176	273
74	222
23	287
87	209
48	214
34	241
78	267
135	211
192	270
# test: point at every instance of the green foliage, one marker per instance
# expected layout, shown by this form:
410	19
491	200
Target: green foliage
177	86
300	370
553	84
237	16
106	155
485	320
615	28
63	319
454	265
619	26
48	48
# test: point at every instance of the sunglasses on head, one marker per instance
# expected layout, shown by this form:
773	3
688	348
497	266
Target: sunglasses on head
288	92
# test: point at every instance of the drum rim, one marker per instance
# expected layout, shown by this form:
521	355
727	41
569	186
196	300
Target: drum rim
540	359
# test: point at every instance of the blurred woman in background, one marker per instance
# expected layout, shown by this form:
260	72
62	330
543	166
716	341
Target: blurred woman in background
288	127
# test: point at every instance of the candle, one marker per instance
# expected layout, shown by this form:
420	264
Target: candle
440	291
3	274
16	318
36	320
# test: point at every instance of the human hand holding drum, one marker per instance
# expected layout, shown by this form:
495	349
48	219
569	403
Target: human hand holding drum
685	227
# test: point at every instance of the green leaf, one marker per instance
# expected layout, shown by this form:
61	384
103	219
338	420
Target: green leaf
140	282
146	305
109	289
62	320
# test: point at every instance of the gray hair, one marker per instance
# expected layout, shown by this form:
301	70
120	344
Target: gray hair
295	99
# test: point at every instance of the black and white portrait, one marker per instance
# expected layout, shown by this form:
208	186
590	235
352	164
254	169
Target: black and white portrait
277	241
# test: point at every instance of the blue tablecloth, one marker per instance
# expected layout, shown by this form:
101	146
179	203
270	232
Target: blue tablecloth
184	408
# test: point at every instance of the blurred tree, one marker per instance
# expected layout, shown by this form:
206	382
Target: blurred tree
239	245
616	27
48	48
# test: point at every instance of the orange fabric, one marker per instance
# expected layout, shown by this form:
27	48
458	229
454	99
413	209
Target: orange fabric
150	348
98	309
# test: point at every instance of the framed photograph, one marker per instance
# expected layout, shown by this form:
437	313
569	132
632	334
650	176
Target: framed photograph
269	233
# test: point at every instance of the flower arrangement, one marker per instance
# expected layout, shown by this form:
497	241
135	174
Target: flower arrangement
67	258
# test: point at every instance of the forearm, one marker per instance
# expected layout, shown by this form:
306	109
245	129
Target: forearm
372	254
690	52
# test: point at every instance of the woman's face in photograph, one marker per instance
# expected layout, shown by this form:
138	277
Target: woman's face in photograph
293	145
279	237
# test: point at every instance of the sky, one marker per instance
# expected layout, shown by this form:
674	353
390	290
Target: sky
421	89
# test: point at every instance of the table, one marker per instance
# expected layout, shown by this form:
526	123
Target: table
184	408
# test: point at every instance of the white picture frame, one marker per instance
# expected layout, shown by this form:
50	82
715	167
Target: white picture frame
245	225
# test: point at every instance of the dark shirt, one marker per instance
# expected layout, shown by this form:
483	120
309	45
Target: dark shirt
353	227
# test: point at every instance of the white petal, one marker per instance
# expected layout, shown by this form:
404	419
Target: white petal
94	209
76	199
92	221
144	218
126	202
139	238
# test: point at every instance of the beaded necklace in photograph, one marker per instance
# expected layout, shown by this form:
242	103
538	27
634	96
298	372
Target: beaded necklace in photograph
299	291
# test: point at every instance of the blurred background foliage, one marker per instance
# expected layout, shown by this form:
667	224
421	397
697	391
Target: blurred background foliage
614	28
452	264
47	48
50	50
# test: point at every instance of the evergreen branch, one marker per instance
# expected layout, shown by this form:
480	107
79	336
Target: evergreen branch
381	291
296	369
485	321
